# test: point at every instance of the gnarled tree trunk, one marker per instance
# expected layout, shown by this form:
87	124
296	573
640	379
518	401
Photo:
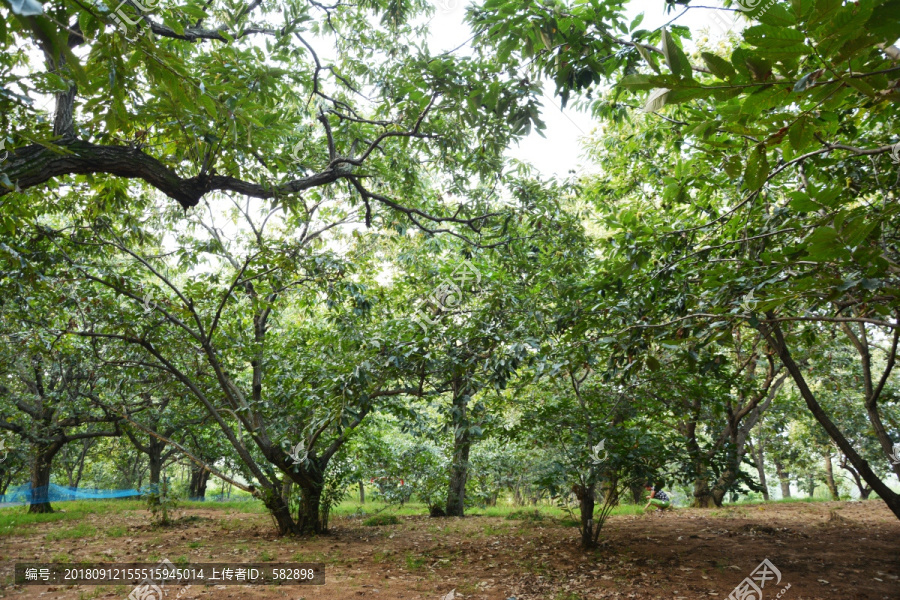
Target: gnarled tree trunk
40	477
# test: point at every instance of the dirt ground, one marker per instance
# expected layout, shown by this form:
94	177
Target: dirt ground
825	551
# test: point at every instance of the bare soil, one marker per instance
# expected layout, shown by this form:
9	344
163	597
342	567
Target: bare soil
825	551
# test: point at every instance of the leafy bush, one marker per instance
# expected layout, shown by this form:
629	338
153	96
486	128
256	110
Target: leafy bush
159	502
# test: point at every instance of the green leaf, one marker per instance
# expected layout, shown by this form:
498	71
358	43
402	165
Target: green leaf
650	59
638	82
768	36
777	15
801	202
757	169
801	133
656	100
675	56
720	67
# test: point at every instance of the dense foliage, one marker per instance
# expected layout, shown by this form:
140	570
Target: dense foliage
356	292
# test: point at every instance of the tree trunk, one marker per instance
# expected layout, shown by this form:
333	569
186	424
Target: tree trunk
195	480
309	516
362	492
286	487
775	338
829	478
703	497
637	493
155	452
811	485
462	443
201	485
585	495
40	478
197	486
726	479
784	478
759	459
459	470
281	513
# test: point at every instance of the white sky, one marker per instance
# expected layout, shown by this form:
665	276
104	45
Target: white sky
562	149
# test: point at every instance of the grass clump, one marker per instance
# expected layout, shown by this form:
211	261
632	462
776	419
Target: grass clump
379	520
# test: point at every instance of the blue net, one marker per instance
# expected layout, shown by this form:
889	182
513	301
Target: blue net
24	494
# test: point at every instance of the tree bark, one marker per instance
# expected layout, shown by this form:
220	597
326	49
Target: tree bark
286	486
309	514
459	471
155	465
281	513
829	478
759	459
462	443
362	492
784	479
40	477
586	502
703	497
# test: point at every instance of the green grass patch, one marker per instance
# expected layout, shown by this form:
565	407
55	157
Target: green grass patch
525	515
265	556
82	530
413	562
379	520
116	532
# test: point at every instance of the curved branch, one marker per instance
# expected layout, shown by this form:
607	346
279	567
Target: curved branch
33	165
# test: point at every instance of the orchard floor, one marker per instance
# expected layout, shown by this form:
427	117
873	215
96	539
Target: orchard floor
824	550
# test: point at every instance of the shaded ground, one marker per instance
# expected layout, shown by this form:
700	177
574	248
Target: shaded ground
824	550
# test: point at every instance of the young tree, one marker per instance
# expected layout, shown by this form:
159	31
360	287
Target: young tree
46	402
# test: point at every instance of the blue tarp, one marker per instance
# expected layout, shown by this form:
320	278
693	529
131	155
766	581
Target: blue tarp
23	494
